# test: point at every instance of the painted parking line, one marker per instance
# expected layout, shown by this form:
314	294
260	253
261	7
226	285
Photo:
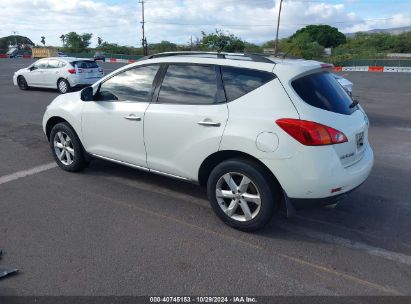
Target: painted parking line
20	174
292	228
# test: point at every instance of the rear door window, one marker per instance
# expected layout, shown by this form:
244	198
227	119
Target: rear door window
240	81
322	90
190	84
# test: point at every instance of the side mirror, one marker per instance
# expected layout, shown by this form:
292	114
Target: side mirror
87	94
32	68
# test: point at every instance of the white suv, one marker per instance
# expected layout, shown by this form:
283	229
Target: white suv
62	73
260	133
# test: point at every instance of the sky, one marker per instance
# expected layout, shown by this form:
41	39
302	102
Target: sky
118	21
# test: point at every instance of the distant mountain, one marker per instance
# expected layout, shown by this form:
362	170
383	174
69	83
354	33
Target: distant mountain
393	31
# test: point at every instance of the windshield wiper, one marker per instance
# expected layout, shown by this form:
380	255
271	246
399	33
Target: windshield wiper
355	102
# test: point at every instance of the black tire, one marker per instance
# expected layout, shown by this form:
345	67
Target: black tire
63	86
78	160
262	184
22	83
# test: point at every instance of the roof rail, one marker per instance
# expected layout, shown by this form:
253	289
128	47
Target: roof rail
241	56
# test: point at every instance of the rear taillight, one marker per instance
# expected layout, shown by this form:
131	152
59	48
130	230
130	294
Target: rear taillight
310	133
72	71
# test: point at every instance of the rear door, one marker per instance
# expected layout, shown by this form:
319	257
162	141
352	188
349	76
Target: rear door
185	122
52	74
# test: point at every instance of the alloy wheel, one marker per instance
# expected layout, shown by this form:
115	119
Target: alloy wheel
63	147
238	196
63	86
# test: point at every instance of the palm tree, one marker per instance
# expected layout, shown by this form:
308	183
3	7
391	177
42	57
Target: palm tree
43	40
63	39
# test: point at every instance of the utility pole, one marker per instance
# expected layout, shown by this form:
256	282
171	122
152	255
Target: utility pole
144	40
15	37
278	27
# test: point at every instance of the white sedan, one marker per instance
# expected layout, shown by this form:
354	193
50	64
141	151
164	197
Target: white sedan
62	73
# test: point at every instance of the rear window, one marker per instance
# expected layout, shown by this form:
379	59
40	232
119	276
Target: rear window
85	64
240	81
322	90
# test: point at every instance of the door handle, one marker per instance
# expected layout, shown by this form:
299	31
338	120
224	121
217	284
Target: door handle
208	123
132	117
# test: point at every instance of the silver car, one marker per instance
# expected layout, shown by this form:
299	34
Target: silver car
62	73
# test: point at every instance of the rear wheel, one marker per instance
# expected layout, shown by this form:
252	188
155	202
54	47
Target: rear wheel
242	194
22	83
66	148
63	86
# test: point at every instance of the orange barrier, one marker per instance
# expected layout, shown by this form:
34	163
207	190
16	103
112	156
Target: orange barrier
131	61
4	56
375	69
338	69
113	60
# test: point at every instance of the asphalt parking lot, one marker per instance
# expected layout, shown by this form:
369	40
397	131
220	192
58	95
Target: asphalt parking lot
112	230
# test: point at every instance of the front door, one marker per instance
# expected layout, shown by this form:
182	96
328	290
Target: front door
112	124
36	76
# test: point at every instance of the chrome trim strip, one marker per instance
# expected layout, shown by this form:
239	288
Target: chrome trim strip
121	162
169	175
141	168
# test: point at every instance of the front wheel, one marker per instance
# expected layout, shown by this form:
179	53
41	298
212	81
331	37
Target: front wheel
242	194
66	148
22	83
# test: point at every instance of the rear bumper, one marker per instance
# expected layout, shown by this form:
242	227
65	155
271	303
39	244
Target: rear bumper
310	177
74	81
302	203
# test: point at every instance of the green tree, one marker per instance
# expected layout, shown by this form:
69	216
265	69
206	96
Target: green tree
222	41
325	35
43	40
163	46
99	41
63	38
77	43
303	46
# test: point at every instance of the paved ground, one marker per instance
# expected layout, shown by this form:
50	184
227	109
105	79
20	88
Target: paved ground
111	230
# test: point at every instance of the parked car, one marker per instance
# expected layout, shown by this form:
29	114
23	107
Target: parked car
259	134
61	54
346	84
99	56
62	73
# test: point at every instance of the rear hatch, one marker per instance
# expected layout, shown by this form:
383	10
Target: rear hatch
88	70
326	102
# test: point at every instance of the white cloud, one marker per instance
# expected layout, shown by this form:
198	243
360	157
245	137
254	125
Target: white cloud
177	20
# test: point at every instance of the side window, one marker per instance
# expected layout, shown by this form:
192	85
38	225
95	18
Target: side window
190	84
53	64
131	85
41	64
240	81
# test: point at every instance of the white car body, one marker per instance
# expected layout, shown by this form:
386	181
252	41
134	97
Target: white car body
168	139
49	71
